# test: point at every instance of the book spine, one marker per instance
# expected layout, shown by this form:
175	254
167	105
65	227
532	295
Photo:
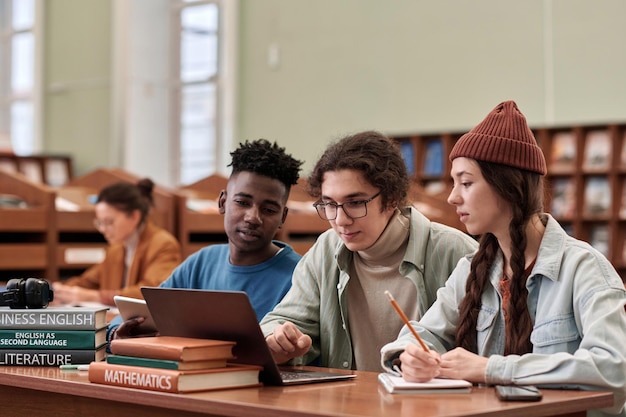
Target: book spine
16	357
49	319
145	362
153	379
149	351
48	339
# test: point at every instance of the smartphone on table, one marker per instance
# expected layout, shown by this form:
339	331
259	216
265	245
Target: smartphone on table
518	393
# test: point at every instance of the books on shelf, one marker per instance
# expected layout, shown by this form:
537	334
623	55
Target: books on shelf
599	238
597	155
622	208
597	196
165	363
563	152
50	357
433	158
408	154
397	385
58	318
175	381
563	197
623	153
52	339
173	348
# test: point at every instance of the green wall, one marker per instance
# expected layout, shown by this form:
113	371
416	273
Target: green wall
76	80
404	66
399	66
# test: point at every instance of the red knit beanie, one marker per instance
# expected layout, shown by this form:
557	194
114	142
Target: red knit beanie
502	138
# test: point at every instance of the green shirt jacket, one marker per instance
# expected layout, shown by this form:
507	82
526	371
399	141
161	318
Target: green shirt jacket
317	300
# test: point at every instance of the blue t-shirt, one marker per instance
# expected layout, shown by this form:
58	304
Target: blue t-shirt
265	283
209	269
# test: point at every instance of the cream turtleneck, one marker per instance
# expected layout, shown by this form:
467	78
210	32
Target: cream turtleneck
373	321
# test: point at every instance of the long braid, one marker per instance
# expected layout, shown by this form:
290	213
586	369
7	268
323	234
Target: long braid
518	336
476	281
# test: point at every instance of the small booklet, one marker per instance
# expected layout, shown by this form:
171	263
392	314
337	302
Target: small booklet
397	385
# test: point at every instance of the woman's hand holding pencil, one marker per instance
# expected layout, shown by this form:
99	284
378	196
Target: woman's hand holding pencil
419	364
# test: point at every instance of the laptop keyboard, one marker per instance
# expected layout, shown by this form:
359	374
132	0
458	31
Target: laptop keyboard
295	374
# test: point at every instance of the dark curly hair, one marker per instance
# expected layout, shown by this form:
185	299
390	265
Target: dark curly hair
127	197
376	156
268	159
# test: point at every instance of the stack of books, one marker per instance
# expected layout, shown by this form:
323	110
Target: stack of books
52	336
173	364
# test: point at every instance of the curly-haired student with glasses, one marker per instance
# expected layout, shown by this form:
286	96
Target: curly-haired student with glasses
336	314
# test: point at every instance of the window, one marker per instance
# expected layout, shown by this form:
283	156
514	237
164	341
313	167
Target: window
197	87
17	74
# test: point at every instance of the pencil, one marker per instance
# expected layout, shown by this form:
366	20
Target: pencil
405	319
84	367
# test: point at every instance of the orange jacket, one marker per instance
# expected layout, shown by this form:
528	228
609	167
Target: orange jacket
156	256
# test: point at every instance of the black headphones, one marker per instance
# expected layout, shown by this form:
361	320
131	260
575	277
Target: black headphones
27	293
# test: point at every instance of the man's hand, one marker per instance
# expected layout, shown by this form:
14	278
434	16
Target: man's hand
130	328
288	342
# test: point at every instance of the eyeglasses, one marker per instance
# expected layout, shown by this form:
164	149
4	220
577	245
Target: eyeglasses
103	224
353	209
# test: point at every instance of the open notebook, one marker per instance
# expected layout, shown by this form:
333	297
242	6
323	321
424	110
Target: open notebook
225	315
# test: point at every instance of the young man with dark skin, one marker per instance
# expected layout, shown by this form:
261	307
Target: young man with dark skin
254	205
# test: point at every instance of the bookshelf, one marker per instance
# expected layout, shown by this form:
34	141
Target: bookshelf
52	170
27	233
431	183
585	184
592	199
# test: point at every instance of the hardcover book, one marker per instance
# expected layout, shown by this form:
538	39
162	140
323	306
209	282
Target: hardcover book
173	348
58	318
52	339
42	357
397	385
597	196
408	154
434	158
164	363
563	152
167	380
563	198
597	150
599	238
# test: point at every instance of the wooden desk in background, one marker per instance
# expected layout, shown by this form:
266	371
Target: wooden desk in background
48	392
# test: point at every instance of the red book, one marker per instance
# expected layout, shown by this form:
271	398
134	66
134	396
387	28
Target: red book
173	348
168	380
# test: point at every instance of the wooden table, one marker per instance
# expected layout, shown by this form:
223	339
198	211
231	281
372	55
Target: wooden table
49	392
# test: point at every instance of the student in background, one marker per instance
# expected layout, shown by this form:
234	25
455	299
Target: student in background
336	313
532	305
139	253
254	206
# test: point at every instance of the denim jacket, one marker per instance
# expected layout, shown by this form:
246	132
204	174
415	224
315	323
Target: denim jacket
576	301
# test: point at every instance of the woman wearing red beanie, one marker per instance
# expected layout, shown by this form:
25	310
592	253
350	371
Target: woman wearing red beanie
533	306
